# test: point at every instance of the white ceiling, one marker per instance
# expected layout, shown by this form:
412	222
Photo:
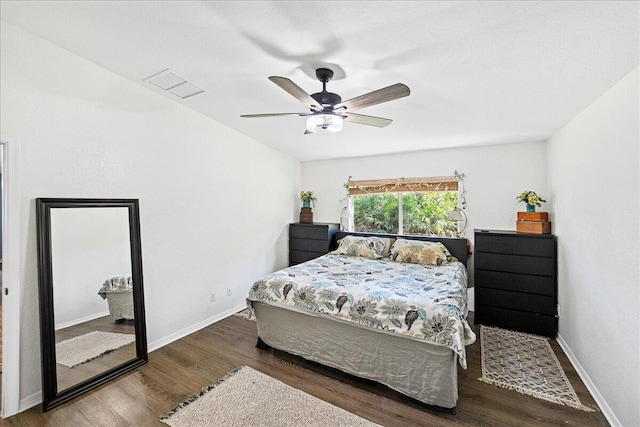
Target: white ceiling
479	73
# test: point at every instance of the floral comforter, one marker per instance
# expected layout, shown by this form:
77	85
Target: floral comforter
116	284
421	302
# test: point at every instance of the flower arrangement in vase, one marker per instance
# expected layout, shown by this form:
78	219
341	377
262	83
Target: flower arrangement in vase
307	199
531	199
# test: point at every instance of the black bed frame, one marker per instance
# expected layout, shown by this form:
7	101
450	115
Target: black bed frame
459	247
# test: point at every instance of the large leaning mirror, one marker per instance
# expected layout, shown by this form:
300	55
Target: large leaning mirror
92	323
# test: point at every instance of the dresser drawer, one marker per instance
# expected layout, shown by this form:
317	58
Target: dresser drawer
516	301
309	245
515	264
311	231
539	324
514	245
541	285
309	241
297	257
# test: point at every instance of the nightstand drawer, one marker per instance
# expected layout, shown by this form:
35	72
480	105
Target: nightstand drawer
539	324
309	245
515	282
515	264
514	245
297	257
311	231
517	301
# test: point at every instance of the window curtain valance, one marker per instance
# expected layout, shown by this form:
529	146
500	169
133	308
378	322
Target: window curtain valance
402	185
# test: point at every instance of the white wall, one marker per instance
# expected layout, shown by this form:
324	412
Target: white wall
88	246
594	184
214	204
494	176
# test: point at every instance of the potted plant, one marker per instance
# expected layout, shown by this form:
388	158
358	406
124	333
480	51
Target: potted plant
307	199
531	199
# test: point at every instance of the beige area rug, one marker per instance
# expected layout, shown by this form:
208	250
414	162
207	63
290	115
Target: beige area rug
525	363
246	397
84	348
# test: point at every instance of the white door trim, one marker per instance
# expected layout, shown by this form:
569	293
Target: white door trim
11	277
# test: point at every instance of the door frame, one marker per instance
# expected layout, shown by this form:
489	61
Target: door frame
11	280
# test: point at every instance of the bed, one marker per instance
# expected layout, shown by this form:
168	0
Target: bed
402	322
118	291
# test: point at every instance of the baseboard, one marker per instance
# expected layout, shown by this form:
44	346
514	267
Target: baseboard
595	393
193	328
81	320
30	401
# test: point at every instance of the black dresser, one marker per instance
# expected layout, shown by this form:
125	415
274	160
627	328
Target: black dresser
516	281
309	241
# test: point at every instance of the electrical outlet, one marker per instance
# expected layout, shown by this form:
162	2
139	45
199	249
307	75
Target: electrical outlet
228	291
212	296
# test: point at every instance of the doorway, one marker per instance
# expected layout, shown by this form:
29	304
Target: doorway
10	285
1	287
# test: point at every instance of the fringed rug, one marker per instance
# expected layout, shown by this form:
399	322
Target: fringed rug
84	348
246	397
525	363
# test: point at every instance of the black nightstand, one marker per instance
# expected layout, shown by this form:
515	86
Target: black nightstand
516	281
309	241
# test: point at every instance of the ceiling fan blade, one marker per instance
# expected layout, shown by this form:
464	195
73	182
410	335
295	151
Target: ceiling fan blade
379	96
361	119
253	116
295	90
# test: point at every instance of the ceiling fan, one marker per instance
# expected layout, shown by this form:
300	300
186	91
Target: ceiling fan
328	111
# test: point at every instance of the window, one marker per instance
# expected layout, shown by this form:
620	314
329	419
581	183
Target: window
376	213
404	206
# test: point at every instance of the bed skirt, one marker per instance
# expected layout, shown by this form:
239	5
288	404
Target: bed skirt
121	305
420	370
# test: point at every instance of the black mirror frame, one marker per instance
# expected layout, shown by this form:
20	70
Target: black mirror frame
51	397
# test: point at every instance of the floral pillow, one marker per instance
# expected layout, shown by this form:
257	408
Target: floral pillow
388	242
421	252
367	247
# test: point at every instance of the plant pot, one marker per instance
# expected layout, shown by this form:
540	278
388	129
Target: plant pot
306	203
531	208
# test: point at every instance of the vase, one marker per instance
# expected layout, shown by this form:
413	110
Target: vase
306	203
531	208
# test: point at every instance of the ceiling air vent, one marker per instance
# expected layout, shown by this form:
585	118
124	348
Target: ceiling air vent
174	84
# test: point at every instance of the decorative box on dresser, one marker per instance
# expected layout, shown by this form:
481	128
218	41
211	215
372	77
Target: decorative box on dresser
309	241
516	281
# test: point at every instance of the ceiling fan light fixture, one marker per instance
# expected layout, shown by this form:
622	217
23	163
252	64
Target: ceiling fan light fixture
327	112
325	123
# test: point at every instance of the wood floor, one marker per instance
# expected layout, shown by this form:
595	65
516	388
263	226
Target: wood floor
183	367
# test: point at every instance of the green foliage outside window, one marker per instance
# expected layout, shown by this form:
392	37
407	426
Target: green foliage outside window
426	213
423	213
376	213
